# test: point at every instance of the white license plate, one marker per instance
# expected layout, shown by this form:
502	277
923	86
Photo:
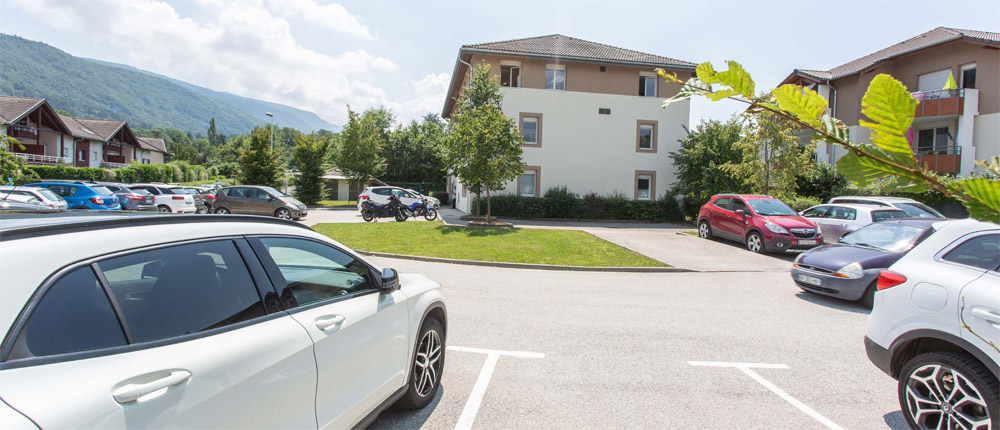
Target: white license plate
810	280
807	242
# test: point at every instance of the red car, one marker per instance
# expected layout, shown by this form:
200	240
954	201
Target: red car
763	223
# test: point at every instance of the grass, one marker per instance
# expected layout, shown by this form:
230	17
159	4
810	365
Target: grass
336	203
691	232
538	246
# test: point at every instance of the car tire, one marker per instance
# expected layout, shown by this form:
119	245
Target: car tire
704	229
868	298
283	213
426	367
431	214
367	216
222	211
978	389
163	208
755	242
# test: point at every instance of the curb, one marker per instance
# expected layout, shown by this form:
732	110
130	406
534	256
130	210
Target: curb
530	265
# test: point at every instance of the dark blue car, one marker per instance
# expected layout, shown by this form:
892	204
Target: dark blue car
849	268
81	196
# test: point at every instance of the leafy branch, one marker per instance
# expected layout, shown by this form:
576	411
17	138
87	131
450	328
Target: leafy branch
889	106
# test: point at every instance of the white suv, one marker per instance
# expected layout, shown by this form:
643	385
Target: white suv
169	200
913	208
144	320
935	327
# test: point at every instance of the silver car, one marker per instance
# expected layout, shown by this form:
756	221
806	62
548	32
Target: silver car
836	220
44	196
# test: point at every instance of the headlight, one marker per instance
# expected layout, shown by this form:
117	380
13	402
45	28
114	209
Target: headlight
775	228
850	271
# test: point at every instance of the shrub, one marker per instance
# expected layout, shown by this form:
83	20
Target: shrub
593	206
560	203
822	181
800	203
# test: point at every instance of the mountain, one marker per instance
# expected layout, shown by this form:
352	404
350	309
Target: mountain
100	90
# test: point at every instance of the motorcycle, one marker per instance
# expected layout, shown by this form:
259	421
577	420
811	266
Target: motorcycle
421	208
371	211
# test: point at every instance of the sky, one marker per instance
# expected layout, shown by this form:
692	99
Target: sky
322	56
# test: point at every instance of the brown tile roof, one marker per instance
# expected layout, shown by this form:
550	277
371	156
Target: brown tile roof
559	46
931	38
103	127
13	108
79	130
153	144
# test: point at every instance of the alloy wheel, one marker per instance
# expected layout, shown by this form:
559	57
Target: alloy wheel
283	214
427	363
754	242
222	211
162	208
703	230
940	397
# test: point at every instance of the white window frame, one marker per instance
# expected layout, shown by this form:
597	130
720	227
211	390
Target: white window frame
652	132
524	122
555	68
645	82
512	65
961	73
649	189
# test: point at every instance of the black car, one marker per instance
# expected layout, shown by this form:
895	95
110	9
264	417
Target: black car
132	200
849	269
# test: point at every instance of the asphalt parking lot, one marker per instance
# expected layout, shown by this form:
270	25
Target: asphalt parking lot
734	345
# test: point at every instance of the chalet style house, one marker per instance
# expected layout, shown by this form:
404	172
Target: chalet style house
590	114
48	138
952	128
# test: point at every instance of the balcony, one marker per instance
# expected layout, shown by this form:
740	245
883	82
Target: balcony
19	132
939	103
43	159
113	165
28	149
942	159
117	159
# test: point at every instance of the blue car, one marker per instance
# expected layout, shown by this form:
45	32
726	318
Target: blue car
80	196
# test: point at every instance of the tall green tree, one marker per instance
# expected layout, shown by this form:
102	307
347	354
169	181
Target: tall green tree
11	165
310	156
213	136
359	155
484	147
701	159
258	164
413	152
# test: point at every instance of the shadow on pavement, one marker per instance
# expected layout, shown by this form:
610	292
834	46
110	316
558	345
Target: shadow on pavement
896	420
397	417
739	247
833	302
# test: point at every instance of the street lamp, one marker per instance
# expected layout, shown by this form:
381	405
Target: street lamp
269	115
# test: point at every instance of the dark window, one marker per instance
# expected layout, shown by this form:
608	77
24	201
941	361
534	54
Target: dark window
62	190
604	111
182	289
510	76
315	272
969	78
113	188
816	212
738	205
74	315
382	191
723	203
981	251
884	215
238	192
603	69
843	213
257	194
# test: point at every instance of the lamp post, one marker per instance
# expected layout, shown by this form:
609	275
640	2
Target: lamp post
269	115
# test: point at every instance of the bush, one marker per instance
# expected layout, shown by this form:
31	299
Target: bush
593	206
65	172
560	203
822	181
800	203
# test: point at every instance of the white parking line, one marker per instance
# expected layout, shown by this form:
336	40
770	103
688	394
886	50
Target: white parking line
745	367
483	381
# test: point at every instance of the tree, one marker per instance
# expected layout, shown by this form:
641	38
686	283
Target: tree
11	165
258	164
213	136
359	155
701	159
412	153
484	147
310	156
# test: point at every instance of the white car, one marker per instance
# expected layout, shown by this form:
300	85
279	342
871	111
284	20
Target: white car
44	196
132	320
835	220
408	197
170	198
935	328
913	208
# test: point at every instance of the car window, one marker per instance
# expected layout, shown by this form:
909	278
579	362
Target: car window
256	194
183	289
102	191
382	191
738	205
723	203
839	212
884	215
980	251
767	207
74	315
236	192
890	237
112	188
918	210
62	190
816	212
399	193
315	272
48	194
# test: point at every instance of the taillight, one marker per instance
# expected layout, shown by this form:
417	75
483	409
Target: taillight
134	197
97	200
887	279
364	197
178	197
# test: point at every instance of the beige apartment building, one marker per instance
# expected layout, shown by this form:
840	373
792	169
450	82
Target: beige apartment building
952	128
590	114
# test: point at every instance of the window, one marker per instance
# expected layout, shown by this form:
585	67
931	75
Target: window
183	289
73	316
738	205
382	191
555	77
932	81
969	76
314	272
933	140
81	155
645	136
884	215
528	182
816	212
510	75
62	190
723	203
604	111
531	128
254	193
980	251
647	85
645	184
843	213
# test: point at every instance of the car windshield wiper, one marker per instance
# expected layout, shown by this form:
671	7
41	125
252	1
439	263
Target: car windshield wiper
867	245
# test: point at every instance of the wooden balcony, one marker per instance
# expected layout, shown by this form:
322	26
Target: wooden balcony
120	159
939	103
19	132
946	160
28	149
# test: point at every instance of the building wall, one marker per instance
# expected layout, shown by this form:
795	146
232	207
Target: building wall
986	137
155	157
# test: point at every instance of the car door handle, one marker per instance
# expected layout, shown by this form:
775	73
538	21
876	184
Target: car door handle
327	321
992	316
132	392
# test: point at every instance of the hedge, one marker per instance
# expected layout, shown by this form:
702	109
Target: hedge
170	172
560	203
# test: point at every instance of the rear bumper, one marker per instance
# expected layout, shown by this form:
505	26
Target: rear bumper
879	356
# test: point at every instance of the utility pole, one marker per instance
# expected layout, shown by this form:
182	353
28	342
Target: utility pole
269	115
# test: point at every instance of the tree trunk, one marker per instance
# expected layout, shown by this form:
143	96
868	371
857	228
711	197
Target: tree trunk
477	204
488	208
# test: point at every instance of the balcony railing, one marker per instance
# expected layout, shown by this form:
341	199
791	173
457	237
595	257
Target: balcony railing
28	149
113	165
120	159
939	102
43	159
19	132
946	159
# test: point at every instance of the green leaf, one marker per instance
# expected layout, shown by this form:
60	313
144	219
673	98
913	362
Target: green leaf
907	185
806	104
692	87
864	170
982	198
738	79
890	105
834	127
707	74
719	95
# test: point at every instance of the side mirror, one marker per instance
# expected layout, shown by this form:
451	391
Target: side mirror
740	213
390	280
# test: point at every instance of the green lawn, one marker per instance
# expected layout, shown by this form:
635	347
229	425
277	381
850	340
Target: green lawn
336	203
691	232
434	239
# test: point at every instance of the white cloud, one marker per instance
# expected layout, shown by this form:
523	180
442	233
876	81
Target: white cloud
242	47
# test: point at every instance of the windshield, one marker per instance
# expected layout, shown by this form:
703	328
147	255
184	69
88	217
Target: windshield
918	210
274	192
138	191
888	237
48	194
102	191
771	208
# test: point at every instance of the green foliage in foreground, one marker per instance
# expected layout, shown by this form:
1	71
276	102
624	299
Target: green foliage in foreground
434	239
